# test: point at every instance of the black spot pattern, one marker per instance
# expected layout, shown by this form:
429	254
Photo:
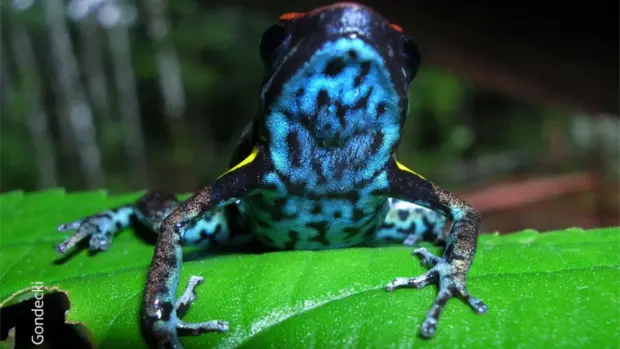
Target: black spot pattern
351	232
293	238
167	310
362	103
316	166
277	214
341	111
169	261
321	229
380	109
292	141
403	214
365	69
377	142
322	98
334	67
358	214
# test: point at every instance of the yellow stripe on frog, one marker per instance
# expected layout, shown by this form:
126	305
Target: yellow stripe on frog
407	169
248	160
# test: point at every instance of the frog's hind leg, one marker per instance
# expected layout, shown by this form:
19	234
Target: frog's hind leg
150	210
410	223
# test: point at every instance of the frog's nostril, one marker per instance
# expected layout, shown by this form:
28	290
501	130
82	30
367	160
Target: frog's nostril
352	54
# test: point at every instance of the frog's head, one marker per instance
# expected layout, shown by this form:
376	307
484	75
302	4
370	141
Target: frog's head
337	72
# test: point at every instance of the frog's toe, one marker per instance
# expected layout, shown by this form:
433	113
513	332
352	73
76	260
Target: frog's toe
476	304
428	259
69	226
167	333
416	282
188	297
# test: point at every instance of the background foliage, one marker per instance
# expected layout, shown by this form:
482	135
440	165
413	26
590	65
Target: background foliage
158	91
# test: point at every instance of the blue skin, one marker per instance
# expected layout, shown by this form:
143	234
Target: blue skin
315	170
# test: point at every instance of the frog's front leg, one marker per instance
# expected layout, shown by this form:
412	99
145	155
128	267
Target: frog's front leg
99	228
450	270
161	308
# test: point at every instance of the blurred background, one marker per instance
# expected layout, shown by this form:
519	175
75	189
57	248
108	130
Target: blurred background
515	107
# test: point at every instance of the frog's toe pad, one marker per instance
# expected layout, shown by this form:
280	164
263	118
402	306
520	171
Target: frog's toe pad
428	327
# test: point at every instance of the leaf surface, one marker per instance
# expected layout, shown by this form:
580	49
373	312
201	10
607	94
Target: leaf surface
558	289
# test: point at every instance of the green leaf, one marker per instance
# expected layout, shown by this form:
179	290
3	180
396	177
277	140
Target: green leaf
558	289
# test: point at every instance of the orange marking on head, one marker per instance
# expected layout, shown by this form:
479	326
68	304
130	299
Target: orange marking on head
396	27
291	15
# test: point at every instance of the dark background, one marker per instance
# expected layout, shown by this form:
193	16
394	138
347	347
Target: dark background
515	108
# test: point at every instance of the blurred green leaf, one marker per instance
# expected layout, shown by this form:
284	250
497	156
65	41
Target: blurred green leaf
558	289
437	92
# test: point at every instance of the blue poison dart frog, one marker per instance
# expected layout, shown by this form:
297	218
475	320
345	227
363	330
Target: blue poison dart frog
316	169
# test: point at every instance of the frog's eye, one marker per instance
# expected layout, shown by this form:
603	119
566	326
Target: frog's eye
412	56
270	41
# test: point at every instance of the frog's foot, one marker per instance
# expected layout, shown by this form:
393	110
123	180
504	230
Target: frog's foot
100	228
169	326
451	284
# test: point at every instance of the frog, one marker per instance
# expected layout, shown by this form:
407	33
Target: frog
316	169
